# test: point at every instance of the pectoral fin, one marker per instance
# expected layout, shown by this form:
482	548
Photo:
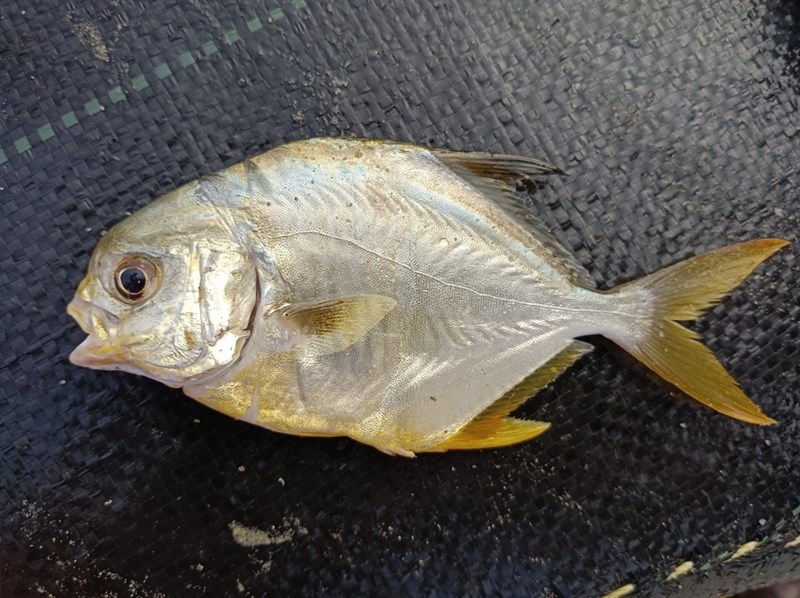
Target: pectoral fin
493	429
334	325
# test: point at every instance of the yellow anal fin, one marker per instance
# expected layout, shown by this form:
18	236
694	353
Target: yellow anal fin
334	325
495	434
493	429
536	381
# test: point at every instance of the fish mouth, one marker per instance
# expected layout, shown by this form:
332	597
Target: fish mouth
97	351
99	357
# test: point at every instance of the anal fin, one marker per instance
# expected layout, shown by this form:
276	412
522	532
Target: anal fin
503	432
492	428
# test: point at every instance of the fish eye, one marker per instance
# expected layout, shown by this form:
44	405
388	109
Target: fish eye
135	278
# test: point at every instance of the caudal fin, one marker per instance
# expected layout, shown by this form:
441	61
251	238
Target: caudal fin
682	292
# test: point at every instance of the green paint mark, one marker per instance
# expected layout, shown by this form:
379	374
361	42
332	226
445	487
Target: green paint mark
116	95
92	107
780	524
3	158
45	132
705	567
69	119
796	512
140	82
22	144
186	59
209	48
724	556
163	71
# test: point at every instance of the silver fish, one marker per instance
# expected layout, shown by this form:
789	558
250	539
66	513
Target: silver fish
398	295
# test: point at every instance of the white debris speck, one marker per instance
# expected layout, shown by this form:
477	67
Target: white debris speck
281	482
623	591
241	468
252	536
680	570
108	502
265	567
744	549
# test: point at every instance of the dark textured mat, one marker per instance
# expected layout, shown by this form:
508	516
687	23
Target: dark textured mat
678	123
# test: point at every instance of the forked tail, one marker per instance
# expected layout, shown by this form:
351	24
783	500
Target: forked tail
680	293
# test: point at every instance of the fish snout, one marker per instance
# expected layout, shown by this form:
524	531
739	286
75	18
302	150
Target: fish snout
98	350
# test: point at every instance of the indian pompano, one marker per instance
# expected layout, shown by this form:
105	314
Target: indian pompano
398	295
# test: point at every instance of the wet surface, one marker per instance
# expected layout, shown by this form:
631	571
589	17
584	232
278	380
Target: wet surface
678	125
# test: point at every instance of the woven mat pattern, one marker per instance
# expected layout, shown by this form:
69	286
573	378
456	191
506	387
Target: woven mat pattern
677	122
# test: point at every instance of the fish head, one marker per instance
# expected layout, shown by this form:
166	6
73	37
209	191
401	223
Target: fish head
168	294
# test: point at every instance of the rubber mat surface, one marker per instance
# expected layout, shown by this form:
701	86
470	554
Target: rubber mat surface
678	124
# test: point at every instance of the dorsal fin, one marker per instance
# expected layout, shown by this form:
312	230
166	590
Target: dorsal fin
501	167
496	175
493	429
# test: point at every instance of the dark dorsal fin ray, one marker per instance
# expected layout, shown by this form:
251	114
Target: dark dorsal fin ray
502	167
492	428
496	175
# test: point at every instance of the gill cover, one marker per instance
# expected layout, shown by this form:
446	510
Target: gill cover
222	292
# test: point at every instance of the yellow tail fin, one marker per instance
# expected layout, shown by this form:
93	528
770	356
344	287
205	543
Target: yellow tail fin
682	292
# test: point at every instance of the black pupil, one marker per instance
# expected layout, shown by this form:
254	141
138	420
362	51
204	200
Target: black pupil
133	280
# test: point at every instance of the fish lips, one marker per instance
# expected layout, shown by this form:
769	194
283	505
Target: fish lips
91	354
97	351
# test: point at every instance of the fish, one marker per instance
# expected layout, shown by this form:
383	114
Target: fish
402	296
